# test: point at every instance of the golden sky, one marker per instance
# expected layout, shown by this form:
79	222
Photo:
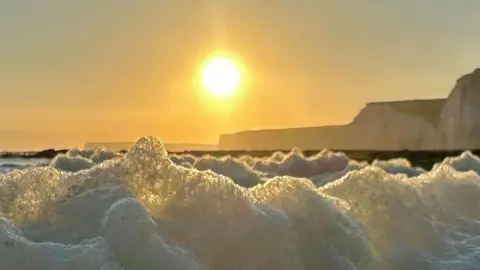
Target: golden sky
78	71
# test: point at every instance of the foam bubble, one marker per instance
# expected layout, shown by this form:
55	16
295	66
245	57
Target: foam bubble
238	171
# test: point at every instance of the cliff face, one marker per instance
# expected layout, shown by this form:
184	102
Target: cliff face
459	123
452	123
379	126
333	137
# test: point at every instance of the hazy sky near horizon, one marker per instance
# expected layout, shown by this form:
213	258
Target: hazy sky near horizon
77	71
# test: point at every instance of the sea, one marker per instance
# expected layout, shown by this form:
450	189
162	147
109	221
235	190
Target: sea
8	164
148	209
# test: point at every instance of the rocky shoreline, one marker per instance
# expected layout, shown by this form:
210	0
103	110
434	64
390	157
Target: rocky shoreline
48	154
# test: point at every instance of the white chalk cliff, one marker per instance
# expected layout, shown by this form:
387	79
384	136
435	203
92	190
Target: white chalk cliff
380	127
427	124
459	123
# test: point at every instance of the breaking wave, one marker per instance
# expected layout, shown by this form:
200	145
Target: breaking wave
148	210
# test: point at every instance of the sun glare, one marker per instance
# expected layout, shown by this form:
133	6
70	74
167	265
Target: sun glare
221	77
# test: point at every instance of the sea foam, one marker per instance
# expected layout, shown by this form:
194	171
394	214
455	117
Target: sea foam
149	210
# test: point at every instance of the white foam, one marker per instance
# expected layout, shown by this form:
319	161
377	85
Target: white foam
297	165
80	159
143	211
240	172
71	163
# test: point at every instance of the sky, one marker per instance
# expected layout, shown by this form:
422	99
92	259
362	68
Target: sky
85	70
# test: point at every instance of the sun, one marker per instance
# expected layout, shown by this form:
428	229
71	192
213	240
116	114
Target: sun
221	77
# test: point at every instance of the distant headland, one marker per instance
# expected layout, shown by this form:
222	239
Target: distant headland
171	147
